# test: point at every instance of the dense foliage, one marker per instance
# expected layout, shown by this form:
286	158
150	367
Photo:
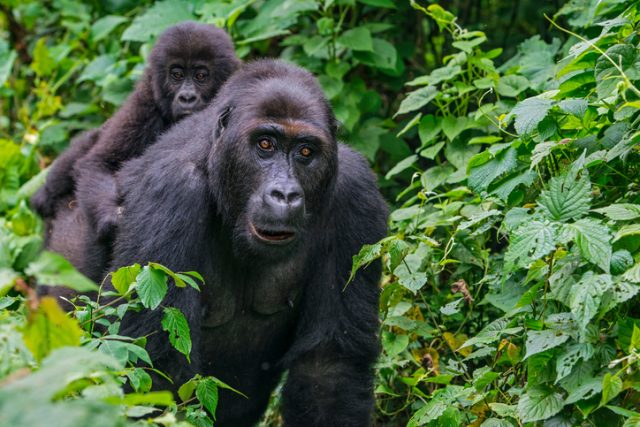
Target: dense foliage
512	267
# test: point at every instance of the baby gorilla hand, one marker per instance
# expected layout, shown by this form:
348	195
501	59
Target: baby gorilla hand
107	221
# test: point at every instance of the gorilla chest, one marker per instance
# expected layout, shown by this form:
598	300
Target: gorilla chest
273	292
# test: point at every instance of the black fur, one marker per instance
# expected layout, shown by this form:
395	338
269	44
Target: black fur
204	57
265	308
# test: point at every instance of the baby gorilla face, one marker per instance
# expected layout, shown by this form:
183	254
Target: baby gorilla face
191	86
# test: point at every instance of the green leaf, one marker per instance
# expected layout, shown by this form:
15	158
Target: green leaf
625	56
124	277
428	129
417	99
453	126
566	198
539	403
512	85
568	359
156	398
611	387
586	296
529	113
627	230
207	394
53	270
174	322
394	344
151	286
539	341
367	254
7	58
621	261
50	328
480	177
186	390
358	38
103	26
531	241
401	166
389	4
593	239
620	211
574	106
157	18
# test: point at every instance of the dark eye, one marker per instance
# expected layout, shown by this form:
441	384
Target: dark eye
266	144
201	76
177	74
306	152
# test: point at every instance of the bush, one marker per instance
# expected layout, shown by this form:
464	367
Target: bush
512	267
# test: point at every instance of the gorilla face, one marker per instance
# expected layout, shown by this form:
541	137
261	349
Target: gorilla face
277	144
190	85
286	155
188	65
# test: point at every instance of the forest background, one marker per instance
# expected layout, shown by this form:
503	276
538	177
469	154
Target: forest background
505	138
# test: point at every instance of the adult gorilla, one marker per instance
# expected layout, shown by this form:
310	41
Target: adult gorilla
255	194
186	68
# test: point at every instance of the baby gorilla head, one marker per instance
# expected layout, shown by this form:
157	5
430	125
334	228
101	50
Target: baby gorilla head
276	139
187	66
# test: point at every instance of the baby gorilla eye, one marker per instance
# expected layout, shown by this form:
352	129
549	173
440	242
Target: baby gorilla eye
201	76
265	144
177	74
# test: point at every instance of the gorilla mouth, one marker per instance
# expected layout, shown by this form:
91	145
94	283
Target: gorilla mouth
272	236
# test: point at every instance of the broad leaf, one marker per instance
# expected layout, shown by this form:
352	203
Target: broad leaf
529	113
586	296
566	198
531	241
539	341
594	241
151	286
539	403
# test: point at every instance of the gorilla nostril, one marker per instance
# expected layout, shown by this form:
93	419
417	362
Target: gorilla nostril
278	196
294	198
187	98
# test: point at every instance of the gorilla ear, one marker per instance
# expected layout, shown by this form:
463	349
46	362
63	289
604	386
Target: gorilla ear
223	120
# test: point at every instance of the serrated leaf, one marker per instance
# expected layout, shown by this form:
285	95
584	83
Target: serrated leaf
539	403
620	211
566	198
574	106
531	241
539	341
174	322
529	113
586	296
207	394
593	240
151	286
480	177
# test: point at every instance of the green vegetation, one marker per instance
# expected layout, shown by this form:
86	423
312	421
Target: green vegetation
512	267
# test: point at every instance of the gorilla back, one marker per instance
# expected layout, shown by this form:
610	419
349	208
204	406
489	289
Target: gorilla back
256	194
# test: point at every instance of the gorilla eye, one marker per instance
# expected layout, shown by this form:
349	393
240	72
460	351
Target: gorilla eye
177	74
201	76
265	144
306	152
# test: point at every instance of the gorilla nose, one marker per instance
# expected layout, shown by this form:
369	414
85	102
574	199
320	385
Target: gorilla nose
285	200
187	99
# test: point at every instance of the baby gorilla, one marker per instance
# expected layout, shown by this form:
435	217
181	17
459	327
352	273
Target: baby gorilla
186	68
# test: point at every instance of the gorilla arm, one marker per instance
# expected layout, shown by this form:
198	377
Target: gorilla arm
330	379
60	178
124	136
